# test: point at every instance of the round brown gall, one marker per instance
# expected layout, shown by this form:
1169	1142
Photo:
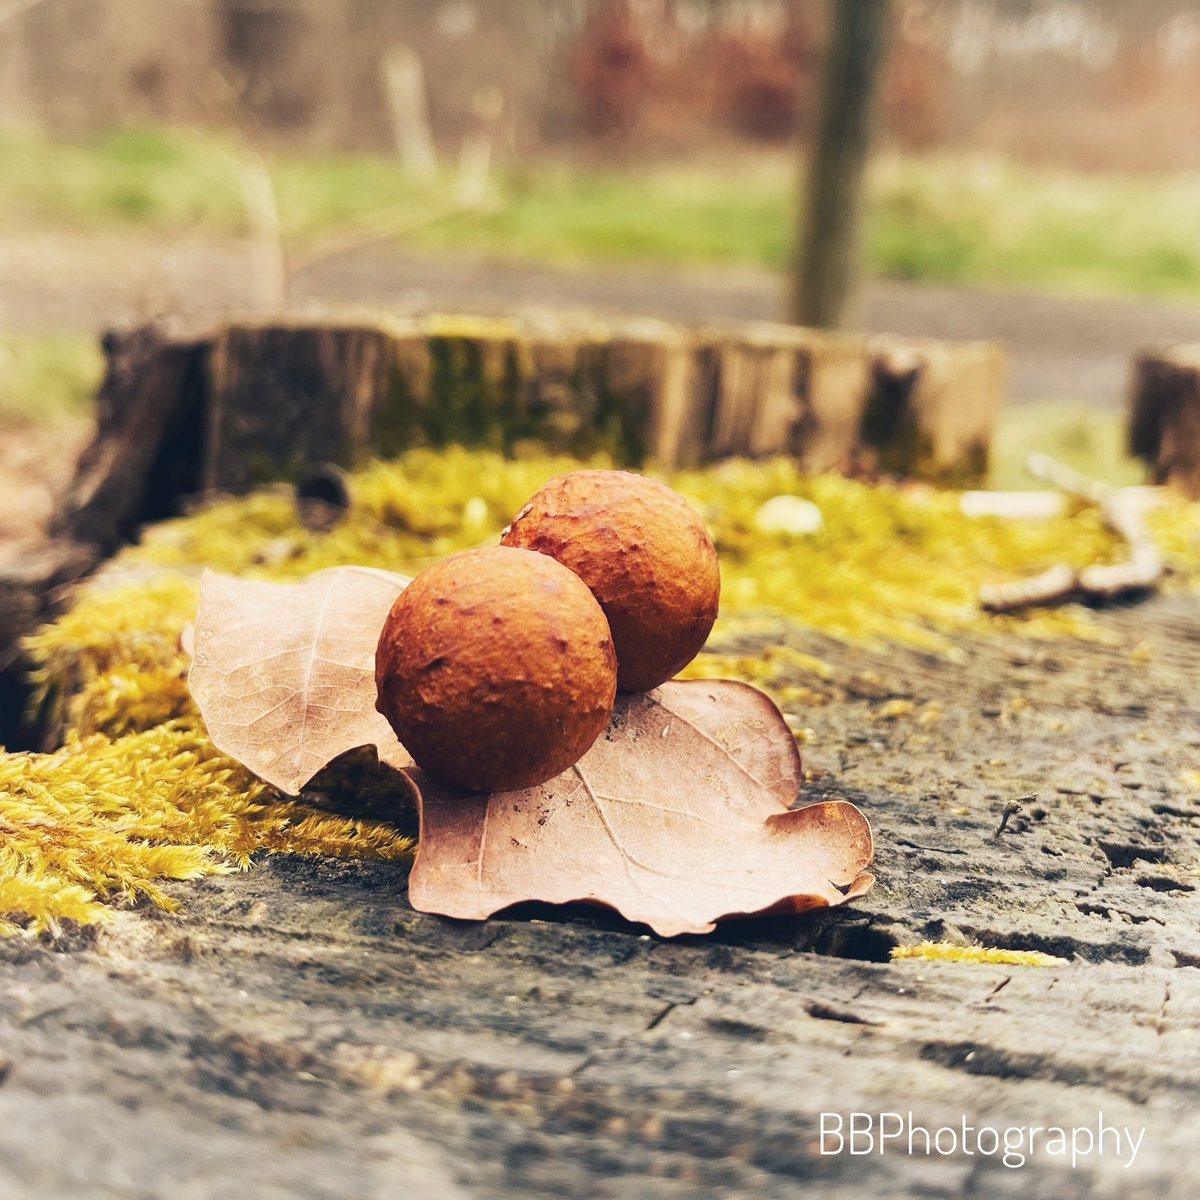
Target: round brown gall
496	669
645	554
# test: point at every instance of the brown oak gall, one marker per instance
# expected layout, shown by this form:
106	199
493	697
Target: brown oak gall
495	668
646	555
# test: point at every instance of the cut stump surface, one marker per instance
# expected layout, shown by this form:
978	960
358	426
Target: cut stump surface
299	1031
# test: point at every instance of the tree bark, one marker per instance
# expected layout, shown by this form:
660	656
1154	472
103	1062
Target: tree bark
932	409
828	245
145	453
33	589
255	402
1164	415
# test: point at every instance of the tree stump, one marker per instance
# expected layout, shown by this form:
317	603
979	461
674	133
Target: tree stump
283	398
150	416
254	402
932	408
838	386
1164	415
32	589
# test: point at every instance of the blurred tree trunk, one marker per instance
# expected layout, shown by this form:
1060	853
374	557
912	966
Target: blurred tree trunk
827	248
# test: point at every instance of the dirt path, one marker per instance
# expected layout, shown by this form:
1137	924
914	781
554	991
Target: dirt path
1060	348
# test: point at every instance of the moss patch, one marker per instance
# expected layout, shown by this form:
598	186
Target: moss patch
137	794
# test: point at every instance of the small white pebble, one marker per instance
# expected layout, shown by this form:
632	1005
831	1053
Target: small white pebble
475	512
1016	506
790	515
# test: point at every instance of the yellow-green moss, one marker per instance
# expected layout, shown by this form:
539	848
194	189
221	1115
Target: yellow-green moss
945	952
108	818
112	663
138	794
891	563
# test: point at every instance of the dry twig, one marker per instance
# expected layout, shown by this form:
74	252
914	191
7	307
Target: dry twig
1124	512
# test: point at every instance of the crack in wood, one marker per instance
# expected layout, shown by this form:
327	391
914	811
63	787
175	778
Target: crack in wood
827	1012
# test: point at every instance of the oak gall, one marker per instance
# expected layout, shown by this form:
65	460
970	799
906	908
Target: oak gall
645	554
495	668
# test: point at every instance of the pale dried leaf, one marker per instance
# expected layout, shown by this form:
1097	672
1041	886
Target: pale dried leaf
284	673
677	817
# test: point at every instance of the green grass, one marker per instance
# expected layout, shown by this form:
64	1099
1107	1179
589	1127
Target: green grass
994	223
960	220
156	179
677	215
1091	441
48	377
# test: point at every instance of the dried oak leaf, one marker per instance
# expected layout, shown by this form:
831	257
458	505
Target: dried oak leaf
284	673
677	817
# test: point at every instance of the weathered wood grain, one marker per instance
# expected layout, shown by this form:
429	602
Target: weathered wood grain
145	453
299	1031
269	399
33	587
